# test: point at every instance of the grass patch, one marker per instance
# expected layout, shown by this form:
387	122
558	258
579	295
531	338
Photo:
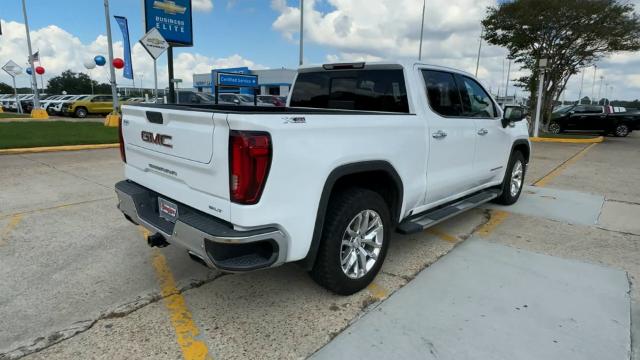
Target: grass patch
19	134
12	116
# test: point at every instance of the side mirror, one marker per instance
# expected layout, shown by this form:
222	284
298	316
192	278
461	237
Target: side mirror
512	115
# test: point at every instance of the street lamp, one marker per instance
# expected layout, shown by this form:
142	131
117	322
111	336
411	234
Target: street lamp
542	65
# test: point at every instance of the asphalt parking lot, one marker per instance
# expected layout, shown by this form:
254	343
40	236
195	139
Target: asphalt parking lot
79	280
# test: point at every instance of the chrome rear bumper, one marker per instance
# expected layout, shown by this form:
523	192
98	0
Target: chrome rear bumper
212	240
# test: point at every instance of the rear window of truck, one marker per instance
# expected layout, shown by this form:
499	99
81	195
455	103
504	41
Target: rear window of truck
363	90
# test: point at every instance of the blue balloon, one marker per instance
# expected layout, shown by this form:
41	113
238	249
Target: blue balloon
29	71
100	60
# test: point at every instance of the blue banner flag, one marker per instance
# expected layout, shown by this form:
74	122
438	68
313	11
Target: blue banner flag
128	65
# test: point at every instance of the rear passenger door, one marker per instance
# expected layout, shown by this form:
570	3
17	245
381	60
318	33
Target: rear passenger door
493	142
452	139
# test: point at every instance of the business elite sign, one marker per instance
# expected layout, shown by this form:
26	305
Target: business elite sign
171	18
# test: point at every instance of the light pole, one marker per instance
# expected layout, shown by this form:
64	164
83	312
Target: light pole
301	32
424	7
542	64
112	119
593	86
479	49
37	112
600	89
506	88
581	85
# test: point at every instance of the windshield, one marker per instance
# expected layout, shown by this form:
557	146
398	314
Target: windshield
563	109
207	97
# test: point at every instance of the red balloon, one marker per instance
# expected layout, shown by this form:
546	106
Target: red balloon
118	63
39	70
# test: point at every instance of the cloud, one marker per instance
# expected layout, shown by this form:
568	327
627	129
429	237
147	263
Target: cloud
202	5
61	50
356	30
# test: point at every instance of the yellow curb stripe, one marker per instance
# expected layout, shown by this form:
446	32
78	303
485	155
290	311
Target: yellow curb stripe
57	207
185	328
377	291
46	149
595	140
442	235
497	218
555	172
13	223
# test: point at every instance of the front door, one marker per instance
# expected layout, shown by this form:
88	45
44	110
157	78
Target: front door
452	139
493	142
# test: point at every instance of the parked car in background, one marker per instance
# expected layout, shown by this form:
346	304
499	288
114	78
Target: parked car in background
93	104
55	108
594	118
271	100
236	99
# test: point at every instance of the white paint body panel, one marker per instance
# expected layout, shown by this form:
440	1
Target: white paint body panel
304	154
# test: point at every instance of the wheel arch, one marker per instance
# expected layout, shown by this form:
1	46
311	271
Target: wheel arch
522	146
378	175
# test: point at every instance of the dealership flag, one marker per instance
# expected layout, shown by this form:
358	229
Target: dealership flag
36	57
128	66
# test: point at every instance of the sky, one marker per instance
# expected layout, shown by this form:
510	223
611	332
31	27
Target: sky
264	34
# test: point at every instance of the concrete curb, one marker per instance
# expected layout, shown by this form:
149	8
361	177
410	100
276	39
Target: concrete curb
595	140
57	148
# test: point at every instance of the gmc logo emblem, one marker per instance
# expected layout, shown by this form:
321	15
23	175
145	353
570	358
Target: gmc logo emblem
158	139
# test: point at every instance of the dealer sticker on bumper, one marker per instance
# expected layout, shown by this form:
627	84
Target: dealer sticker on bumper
167	210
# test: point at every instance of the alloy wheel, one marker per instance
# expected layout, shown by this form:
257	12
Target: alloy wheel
517	177
361	244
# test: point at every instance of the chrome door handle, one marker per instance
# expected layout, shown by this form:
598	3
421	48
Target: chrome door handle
483	132
439	134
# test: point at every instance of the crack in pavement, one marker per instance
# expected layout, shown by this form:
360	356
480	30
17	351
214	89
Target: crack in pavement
120	311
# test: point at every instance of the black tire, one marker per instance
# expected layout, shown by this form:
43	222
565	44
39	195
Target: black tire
554	128
343	208
622	130
80	113
507	198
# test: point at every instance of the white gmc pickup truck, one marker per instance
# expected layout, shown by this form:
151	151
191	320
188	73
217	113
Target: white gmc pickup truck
361	150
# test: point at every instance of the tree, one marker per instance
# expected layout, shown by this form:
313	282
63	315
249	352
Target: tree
571	34
5	89
75	83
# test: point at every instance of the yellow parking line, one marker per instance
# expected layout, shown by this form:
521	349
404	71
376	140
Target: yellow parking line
497	218
594	140
185	328
553	174
45	149
377	291
442	235
13	223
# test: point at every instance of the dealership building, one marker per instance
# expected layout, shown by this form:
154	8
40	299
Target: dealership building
270	81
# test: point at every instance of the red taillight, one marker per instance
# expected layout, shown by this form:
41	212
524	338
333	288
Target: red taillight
249	162
123	155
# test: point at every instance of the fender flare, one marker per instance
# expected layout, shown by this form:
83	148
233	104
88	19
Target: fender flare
338	173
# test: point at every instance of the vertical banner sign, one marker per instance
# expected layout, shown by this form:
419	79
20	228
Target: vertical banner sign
128	65
172	18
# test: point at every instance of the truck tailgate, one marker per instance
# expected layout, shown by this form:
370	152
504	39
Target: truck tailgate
180	154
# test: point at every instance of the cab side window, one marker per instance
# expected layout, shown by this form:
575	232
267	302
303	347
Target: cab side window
475	101
442	93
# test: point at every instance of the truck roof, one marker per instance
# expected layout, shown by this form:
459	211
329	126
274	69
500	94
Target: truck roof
383	64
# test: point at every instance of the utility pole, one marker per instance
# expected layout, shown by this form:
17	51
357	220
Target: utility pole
581	85
424	7
506	88
600	89
479	50
542	64
301	32
114	89
593	86
34	80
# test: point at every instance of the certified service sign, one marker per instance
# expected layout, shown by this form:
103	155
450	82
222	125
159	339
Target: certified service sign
172	18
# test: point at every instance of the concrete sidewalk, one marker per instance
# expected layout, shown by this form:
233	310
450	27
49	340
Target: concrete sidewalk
489	301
